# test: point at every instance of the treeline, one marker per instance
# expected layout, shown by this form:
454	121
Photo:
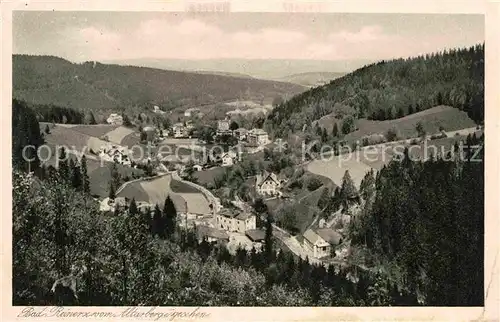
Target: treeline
25	132
424	222
391	89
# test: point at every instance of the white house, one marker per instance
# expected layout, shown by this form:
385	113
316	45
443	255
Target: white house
233	221
321	241
223	127
211	234
228	158
115	119
115	153
156	109
179	130
257	137
268	184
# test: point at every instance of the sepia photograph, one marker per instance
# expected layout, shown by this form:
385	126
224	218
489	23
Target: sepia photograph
252	159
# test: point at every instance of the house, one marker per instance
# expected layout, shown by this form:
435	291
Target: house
212	235
223	127
321	241
115	153
115	119
179	130
235	221
156	109
241	134
256	235
197	167
257	137
228	158
268	184
191	112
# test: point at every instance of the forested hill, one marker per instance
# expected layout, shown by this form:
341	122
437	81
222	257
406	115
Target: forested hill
390	89
48	80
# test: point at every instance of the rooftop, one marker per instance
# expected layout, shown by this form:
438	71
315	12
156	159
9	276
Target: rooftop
323	234
206	231
256	234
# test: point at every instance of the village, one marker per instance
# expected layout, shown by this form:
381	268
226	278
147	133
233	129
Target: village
235	224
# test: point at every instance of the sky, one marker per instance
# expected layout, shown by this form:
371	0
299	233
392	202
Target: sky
104	36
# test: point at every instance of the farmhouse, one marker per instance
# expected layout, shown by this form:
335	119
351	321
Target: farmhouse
257	137
235	221
115	153
212	235
268	184
115	119
179	130
223	127
321	241
241	134
228	158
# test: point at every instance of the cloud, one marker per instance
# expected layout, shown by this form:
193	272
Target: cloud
197	39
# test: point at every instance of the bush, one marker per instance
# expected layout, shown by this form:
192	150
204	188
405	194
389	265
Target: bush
392	134
313	183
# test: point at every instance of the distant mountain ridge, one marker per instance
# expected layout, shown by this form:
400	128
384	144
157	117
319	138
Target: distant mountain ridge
271	69
311	79
104	87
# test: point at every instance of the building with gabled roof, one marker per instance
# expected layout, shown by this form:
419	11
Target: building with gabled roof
321	241
268	183
235	220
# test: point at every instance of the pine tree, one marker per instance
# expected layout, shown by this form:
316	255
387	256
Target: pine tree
85	176
348	190
401	113
324	199
170	217
76	179
268	241
335	131
64	171
157	222
112	192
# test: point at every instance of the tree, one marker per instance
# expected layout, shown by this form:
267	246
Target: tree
47	129
410	110
76	177
324	199
64	170
112	192
392	134
401	113
170	217
126	120
157	222
420	129
85	177
348	190
348	125
92	120
335	131
268	241
234	126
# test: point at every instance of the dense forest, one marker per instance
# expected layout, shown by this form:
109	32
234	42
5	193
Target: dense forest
391	89
424	221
